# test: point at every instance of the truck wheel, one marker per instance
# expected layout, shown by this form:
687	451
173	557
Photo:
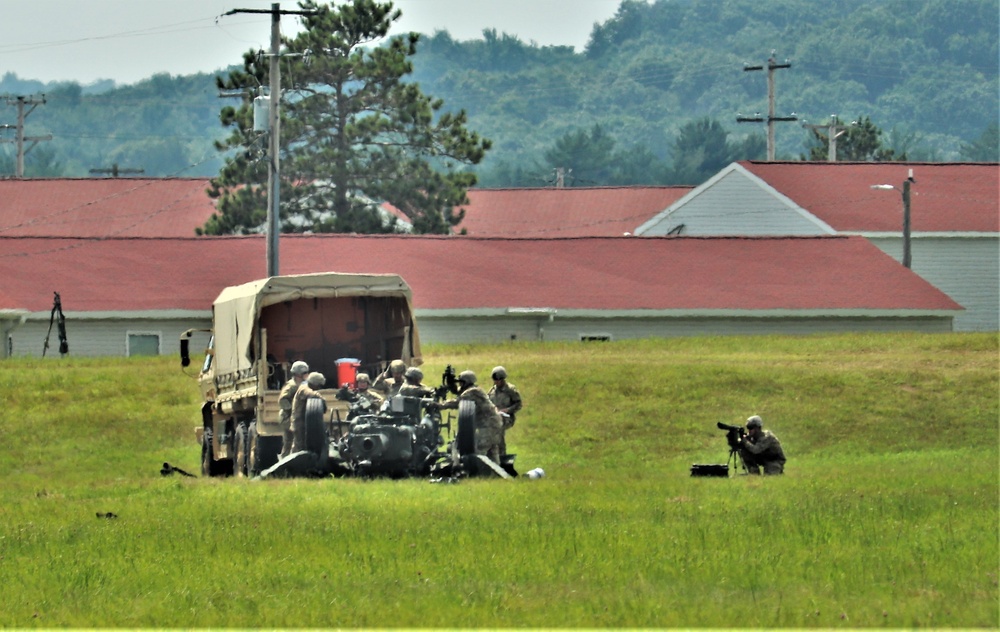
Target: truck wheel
466	438
316	439
240	464
262	452
207	456
209	466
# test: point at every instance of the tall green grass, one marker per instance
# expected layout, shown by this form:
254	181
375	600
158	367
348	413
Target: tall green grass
887	515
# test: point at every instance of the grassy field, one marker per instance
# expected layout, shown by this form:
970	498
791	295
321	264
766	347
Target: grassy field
887	515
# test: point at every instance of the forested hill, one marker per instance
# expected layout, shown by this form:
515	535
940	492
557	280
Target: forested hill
924	71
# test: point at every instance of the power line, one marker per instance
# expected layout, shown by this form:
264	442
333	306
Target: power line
772	65
21	102
115	171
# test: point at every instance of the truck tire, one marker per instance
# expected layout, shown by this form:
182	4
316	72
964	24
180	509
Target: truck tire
262	452
209	466
316	439
240	462
466	438
207	455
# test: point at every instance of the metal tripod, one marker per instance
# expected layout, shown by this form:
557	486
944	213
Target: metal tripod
736	459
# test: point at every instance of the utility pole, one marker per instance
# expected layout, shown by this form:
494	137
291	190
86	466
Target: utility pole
273	171
115	171
561	177
906	213
273	167
772	65
21	102
906	219
833	132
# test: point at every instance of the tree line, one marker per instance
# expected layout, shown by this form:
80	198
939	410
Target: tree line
652	99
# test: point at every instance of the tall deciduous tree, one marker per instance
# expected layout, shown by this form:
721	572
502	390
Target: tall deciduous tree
354	133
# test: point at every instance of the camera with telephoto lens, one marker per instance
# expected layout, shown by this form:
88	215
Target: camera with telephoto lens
734	435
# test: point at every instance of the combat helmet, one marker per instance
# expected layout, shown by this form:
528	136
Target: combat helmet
397	366
467	377
499	373
316	380
754	422
413	373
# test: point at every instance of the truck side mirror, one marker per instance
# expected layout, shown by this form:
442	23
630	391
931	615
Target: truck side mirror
185	356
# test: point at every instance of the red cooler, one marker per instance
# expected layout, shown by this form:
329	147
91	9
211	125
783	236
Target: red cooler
347	372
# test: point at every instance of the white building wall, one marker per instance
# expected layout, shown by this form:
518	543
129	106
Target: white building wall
104	337
736	205
479	329
965	268
486	329
108	337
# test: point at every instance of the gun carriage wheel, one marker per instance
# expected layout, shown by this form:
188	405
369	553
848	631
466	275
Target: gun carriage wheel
317	440
466	438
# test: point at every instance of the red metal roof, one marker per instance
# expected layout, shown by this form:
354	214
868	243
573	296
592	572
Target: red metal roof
945	197
104	207
147	207
600	273
564	212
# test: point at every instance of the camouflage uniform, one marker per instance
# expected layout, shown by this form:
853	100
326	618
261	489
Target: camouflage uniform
388	385
373	398
299	416
285	415
506	398
489	426
364	400
413	386
765	450
415	390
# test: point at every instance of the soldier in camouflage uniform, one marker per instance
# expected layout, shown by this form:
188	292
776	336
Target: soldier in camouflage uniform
507	399
363	391
489	427
390	381
310	389
762	449
413	386
299	371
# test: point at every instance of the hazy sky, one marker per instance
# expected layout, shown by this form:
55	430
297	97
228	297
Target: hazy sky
130	40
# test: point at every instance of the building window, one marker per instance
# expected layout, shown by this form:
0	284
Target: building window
595	337
143	343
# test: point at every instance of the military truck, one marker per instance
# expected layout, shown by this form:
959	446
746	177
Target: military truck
338	323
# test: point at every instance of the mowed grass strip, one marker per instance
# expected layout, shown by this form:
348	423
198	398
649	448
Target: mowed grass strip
887	516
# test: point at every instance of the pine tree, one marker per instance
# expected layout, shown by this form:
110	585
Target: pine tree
354	133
